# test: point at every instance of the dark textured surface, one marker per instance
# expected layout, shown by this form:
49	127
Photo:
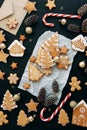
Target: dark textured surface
69	7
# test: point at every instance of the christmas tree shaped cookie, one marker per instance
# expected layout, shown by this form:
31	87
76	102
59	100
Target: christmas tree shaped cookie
51	45
63	118
8	102
22	119
44	59
34	73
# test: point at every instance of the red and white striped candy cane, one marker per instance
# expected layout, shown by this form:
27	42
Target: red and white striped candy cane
58	15
56	111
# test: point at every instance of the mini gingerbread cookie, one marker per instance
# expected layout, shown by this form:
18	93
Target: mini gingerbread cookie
3	119
75	84
30	6
13	78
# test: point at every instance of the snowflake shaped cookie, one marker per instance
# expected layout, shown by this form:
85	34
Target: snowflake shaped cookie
12	23
63	62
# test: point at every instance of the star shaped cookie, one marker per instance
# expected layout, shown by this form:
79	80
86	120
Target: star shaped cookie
32	106
14	65
30	6
3	56
2	75
63	50
13	78
26	85
22	38
50	4
63	62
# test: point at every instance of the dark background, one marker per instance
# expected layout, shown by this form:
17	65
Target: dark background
69	7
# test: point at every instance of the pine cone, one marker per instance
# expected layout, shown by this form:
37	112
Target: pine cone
31	20
82	10
55	87
50	100
84	26
73	28
41	96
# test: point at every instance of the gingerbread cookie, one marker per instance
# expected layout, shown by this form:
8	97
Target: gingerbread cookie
51	45
44	59
75	84
22	119
8	102
34	73
14	65
16	49
47	71
12	23
22	38
63	118
32	106
63	62
26	86
63	50
30	6
13	78
50	4
3	119
79	43
3	56
79	116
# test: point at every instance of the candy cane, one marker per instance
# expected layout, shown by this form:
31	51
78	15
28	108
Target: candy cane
58	15
56	111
